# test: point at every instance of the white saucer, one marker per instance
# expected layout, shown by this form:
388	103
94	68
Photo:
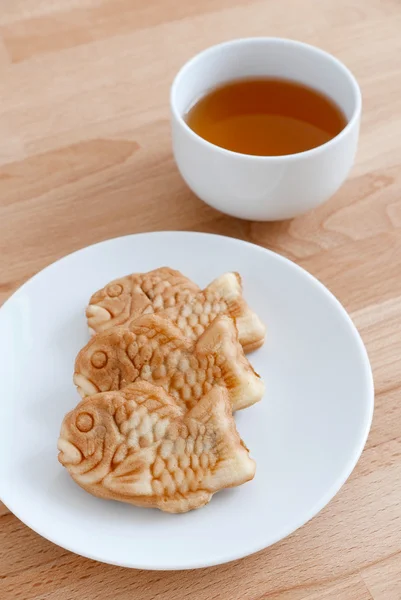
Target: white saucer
306	435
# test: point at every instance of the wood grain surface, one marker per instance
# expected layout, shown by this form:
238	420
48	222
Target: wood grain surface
85	154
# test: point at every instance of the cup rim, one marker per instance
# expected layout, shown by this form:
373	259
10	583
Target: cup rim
274	40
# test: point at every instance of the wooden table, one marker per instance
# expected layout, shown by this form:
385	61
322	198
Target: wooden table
85	155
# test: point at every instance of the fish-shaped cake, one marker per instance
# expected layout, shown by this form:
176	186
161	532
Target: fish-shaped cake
137	446
171	294
153	349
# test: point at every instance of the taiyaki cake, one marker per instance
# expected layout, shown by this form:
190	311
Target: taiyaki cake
155	350
169	293
138	446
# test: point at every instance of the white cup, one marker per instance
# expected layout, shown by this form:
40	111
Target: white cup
264	188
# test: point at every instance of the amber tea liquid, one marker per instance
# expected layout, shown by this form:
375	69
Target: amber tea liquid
266	117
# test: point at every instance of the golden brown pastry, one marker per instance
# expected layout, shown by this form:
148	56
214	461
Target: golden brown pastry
168	293
153	349
137	446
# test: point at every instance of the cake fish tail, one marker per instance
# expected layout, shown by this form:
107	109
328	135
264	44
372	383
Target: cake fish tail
251	330
221	340
232	463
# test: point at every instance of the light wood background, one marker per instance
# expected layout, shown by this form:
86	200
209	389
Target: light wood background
85	155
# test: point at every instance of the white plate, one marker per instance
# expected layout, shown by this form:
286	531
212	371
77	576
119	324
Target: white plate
306	435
